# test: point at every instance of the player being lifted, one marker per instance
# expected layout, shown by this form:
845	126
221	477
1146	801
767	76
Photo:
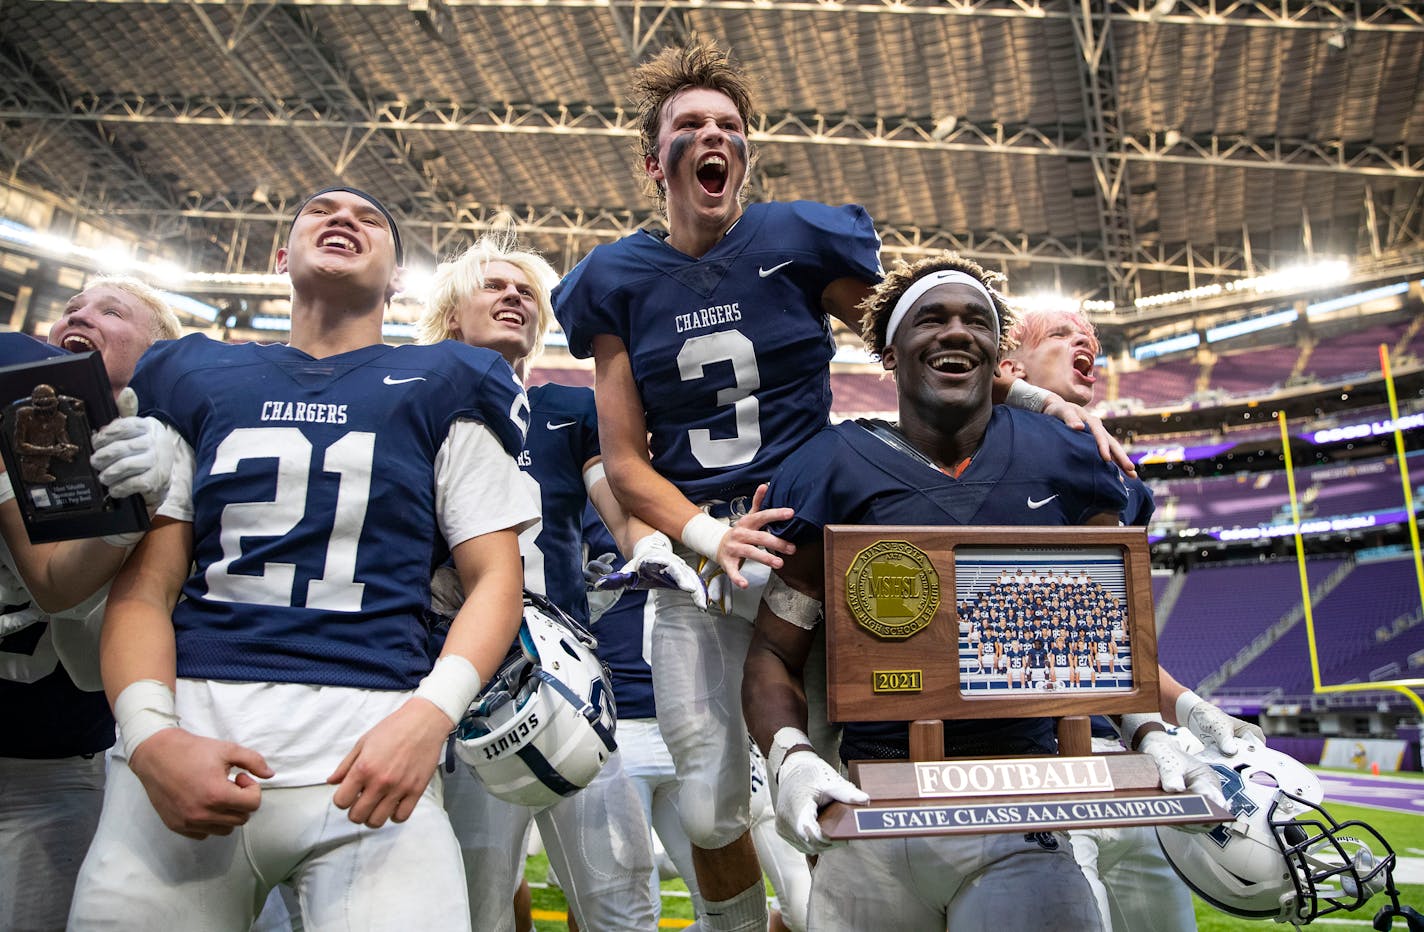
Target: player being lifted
281	595
715	341
953	460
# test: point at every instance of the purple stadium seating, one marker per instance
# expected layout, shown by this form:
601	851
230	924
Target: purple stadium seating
1371	596
1223	608
1162	384
1351	352
1250	499
854	394
1254	372
541	374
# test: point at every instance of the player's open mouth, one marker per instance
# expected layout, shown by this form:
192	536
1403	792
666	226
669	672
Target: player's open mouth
509	316
712	174
337	240
1083	364
952	363
74	343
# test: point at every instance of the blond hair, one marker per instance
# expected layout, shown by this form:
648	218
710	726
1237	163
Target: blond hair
679	68
464	275
164	322
879	304
1033	327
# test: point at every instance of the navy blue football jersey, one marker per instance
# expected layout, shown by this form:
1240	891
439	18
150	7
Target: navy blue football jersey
1140	504
17	348
563	436
729	351
314	500
624	635
60	719
849	475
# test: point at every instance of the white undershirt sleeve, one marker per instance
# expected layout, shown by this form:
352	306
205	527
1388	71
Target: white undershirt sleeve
478	487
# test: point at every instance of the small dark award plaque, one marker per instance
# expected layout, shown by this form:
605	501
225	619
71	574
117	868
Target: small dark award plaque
932	623
48	409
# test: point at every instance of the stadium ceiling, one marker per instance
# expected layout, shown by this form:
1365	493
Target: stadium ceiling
1103	149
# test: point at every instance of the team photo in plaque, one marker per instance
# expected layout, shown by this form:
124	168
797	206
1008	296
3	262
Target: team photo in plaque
1042	619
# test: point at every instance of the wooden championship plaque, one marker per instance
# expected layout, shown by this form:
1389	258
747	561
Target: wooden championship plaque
925	624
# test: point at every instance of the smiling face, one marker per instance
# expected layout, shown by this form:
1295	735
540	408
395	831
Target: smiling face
341	236
502	315
1058	352
701	158
115	323
943	356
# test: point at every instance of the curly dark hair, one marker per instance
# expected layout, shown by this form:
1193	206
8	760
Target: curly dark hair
677	68
879	303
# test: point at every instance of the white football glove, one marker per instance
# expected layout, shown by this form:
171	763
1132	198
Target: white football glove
1209	723
805	785
1177	770
133	455
655	566
599	600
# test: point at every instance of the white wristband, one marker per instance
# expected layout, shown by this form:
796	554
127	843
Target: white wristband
7	489
451	685
1185	703
786	738
144	708
593	475
1026	396
703	534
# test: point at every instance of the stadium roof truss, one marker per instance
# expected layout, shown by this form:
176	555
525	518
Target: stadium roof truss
1103	149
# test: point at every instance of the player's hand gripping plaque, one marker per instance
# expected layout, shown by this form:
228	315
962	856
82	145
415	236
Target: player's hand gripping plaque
48	410
928	624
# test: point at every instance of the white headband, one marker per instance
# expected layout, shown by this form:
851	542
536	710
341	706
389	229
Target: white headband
918	288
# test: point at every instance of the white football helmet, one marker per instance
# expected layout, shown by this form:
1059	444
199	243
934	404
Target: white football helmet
543	726
1284	857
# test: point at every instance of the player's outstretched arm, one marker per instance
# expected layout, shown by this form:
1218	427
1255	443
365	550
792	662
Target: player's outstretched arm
185	775
384	775
644	492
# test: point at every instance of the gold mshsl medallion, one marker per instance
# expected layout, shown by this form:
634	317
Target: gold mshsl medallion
892	589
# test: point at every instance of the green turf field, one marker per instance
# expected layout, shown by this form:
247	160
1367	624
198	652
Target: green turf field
1404	832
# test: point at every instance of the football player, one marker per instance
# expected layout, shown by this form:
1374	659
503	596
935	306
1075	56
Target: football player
715	340
52	756
496	295
953	459
1135	887
264	648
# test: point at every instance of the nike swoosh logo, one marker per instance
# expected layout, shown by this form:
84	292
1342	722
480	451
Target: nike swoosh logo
1036	505
774	269
415	378
552	426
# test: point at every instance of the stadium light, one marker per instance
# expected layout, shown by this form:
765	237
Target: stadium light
1324	308
1251	325
1163	347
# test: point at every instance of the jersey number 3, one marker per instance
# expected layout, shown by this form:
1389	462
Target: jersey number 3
692	362
350	458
